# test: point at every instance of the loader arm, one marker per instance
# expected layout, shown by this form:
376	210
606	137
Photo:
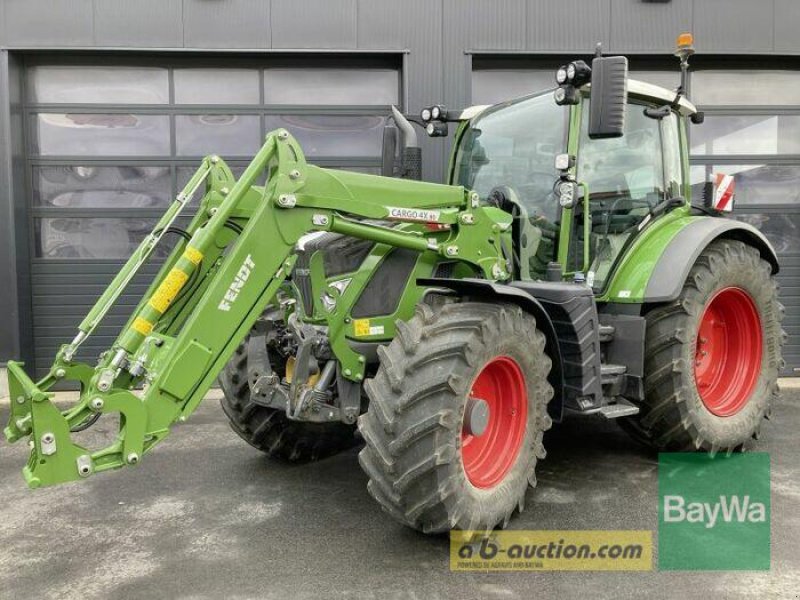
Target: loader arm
238	252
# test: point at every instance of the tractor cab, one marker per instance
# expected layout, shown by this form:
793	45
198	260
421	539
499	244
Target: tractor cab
579	196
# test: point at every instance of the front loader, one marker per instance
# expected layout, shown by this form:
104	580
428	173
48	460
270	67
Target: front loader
564	270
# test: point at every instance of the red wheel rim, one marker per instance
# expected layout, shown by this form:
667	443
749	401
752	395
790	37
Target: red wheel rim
488	457
728	352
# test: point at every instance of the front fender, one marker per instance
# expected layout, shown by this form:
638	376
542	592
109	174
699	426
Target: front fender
656	266
491	291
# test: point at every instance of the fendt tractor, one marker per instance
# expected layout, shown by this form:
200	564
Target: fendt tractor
563	270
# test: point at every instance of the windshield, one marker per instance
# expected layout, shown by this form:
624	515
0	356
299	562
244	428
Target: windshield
514	145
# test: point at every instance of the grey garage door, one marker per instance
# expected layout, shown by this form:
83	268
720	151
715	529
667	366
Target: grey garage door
751	130
110	142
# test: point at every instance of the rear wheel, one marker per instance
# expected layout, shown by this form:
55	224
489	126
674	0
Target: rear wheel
713	356
456	416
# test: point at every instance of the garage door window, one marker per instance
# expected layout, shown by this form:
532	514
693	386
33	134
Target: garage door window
121	140
752	131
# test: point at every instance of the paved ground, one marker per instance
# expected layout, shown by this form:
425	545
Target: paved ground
205	516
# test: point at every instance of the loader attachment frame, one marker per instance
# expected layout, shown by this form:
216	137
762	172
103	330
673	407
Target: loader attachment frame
214	285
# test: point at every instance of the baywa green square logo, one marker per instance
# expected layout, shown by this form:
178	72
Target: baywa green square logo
714	513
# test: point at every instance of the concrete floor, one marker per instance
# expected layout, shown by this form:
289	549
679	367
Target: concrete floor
205	516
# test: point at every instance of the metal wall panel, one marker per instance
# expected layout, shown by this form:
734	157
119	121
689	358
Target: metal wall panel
314	24
63	289
485	24
227	24
637	26
416	26
35	23
787	19
15	339
9	330
144	23
3	22
568	25
734	25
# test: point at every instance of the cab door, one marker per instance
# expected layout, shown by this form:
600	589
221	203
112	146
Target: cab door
625	179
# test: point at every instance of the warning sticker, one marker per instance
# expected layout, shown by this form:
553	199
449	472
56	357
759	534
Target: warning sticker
168	289
361	327
142	326
193	255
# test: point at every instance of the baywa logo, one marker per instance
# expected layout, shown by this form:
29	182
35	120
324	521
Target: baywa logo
729	509
714	512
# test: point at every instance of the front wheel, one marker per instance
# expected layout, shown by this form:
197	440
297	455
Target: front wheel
456	416
713	356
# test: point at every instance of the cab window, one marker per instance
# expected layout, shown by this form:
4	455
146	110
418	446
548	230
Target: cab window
625	180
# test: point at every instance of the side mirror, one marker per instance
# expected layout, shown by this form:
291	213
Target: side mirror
609	97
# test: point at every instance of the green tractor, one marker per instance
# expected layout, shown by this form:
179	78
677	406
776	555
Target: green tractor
563	270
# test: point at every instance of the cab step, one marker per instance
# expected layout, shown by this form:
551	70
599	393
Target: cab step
610	373
621	408
606	333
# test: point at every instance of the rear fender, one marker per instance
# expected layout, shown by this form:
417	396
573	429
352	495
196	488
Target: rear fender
655	268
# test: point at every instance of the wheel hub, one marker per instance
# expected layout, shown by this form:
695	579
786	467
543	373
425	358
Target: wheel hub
494	422
476	416
728	352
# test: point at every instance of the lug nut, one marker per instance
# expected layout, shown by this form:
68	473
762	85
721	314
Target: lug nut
97	403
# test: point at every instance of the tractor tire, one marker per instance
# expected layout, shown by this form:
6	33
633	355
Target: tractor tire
457	412
712	356
268	429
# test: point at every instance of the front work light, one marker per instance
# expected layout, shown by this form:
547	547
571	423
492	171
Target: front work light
436	129
438	112
566	94
578	73
561	75
425	115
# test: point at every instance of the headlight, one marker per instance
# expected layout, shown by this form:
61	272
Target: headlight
560	95
567	193
571	71
436	112
561	75
425	114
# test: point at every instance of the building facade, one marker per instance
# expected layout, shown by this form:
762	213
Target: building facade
106	106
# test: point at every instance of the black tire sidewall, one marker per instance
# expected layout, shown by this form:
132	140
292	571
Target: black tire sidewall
501	498
733	272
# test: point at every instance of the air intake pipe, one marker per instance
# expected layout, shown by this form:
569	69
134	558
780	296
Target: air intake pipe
411	157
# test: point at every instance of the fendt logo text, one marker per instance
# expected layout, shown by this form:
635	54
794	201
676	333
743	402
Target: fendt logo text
237	284
729	509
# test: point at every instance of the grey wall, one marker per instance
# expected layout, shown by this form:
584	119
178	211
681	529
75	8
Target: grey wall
437	36
15	315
